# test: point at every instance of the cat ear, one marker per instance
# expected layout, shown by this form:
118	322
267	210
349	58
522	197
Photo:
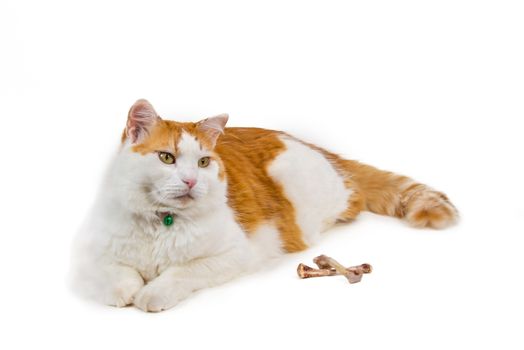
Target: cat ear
213	127
141	118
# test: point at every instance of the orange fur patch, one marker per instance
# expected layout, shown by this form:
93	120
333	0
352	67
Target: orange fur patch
252	193
165	135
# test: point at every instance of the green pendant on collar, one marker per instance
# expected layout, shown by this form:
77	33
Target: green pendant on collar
168	220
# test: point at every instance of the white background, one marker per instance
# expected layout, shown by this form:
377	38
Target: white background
433	90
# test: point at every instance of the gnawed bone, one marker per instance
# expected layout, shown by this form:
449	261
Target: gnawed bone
330	267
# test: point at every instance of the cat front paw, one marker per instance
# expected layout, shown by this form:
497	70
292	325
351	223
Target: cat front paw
158	296
122	292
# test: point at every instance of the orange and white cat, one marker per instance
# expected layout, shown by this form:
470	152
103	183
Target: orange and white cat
191	205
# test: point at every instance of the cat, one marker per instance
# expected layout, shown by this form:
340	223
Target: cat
186	206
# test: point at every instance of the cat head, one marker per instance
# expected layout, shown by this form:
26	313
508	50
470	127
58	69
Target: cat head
169	166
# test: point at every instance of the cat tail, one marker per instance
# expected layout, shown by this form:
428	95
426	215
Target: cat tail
387	193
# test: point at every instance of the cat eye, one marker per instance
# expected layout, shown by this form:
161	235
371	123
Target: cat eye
203	162
166	157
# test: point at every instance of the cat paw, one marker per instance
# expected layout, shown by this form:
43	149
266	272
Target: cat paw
430	209
156	297
122	292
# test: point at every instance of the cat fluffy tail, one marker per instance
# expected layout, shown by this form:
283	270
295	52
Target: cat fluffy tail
386	193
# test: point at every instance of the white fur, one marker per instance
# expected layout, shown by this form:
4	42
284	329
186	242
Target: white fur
266	244
313	186
126	255
124	244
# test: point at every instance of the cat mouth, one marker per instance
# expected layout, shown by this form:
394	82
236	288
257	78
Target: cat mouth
172	200
185	197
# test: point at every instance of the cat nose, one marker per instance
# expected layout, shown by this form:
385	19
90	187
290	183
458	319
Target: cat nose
190	182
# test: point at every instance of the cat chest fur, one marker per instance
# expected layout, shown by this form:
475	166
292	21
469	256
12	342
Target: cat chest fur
150	247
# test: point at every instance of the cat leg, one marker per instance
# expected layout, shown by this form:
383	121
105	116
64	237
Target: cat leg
110	283
386	193
178	282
